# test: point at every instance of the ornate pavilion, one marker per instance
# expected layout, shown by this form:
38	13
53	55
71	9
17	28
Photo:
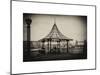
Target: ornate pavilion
54	40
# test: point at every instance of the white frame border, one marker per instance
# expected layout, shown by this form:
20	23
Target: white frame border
63	70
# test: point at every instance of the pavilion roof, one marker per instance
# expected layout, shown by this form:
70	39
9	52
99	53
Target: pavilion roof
55	34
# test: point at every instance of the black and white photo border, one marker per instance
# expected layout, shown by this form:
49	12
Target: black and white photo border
72	46
11	37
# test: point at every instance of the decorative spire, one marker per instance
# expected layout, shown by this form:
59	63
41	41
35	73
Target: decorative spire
55	33
54	20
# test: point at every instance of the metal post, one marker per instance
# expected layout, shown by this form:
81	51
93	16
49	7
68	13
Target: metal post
43	44
59	44
48	44
67	46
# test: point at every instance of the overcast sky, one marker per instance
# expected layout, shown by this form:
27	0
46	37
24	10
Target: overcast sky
74	27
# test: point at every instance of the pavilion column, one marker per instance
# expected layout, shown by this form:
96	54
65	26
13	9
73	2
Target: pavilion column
50	44
28	22
59	45
43	44
67	46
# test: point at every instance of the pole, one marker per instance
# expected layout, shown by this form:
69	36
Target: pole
67	46
48	45
43	44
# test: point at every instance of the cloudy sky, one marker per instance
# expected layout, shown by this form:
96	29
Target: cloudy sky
74	27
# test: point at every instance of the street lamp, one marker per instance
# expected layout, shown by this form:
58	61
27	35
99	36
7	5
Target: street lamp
28	22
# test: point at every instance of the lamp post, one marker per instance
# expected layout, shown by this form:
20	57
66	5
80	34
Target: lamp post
28	22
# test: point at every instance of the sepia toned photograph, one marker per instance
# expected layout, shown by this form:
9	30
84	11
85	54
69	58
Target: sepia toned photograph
49	37
52	37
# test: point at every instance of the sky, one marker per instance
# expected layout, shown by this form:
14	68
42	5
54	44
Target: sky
74	27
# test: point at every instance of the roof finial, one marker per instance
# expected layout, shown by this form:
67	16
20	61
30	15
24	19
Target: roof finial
54	19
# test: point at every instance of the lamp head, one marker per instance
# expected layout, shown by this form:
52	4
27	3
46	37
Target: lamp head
28	21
